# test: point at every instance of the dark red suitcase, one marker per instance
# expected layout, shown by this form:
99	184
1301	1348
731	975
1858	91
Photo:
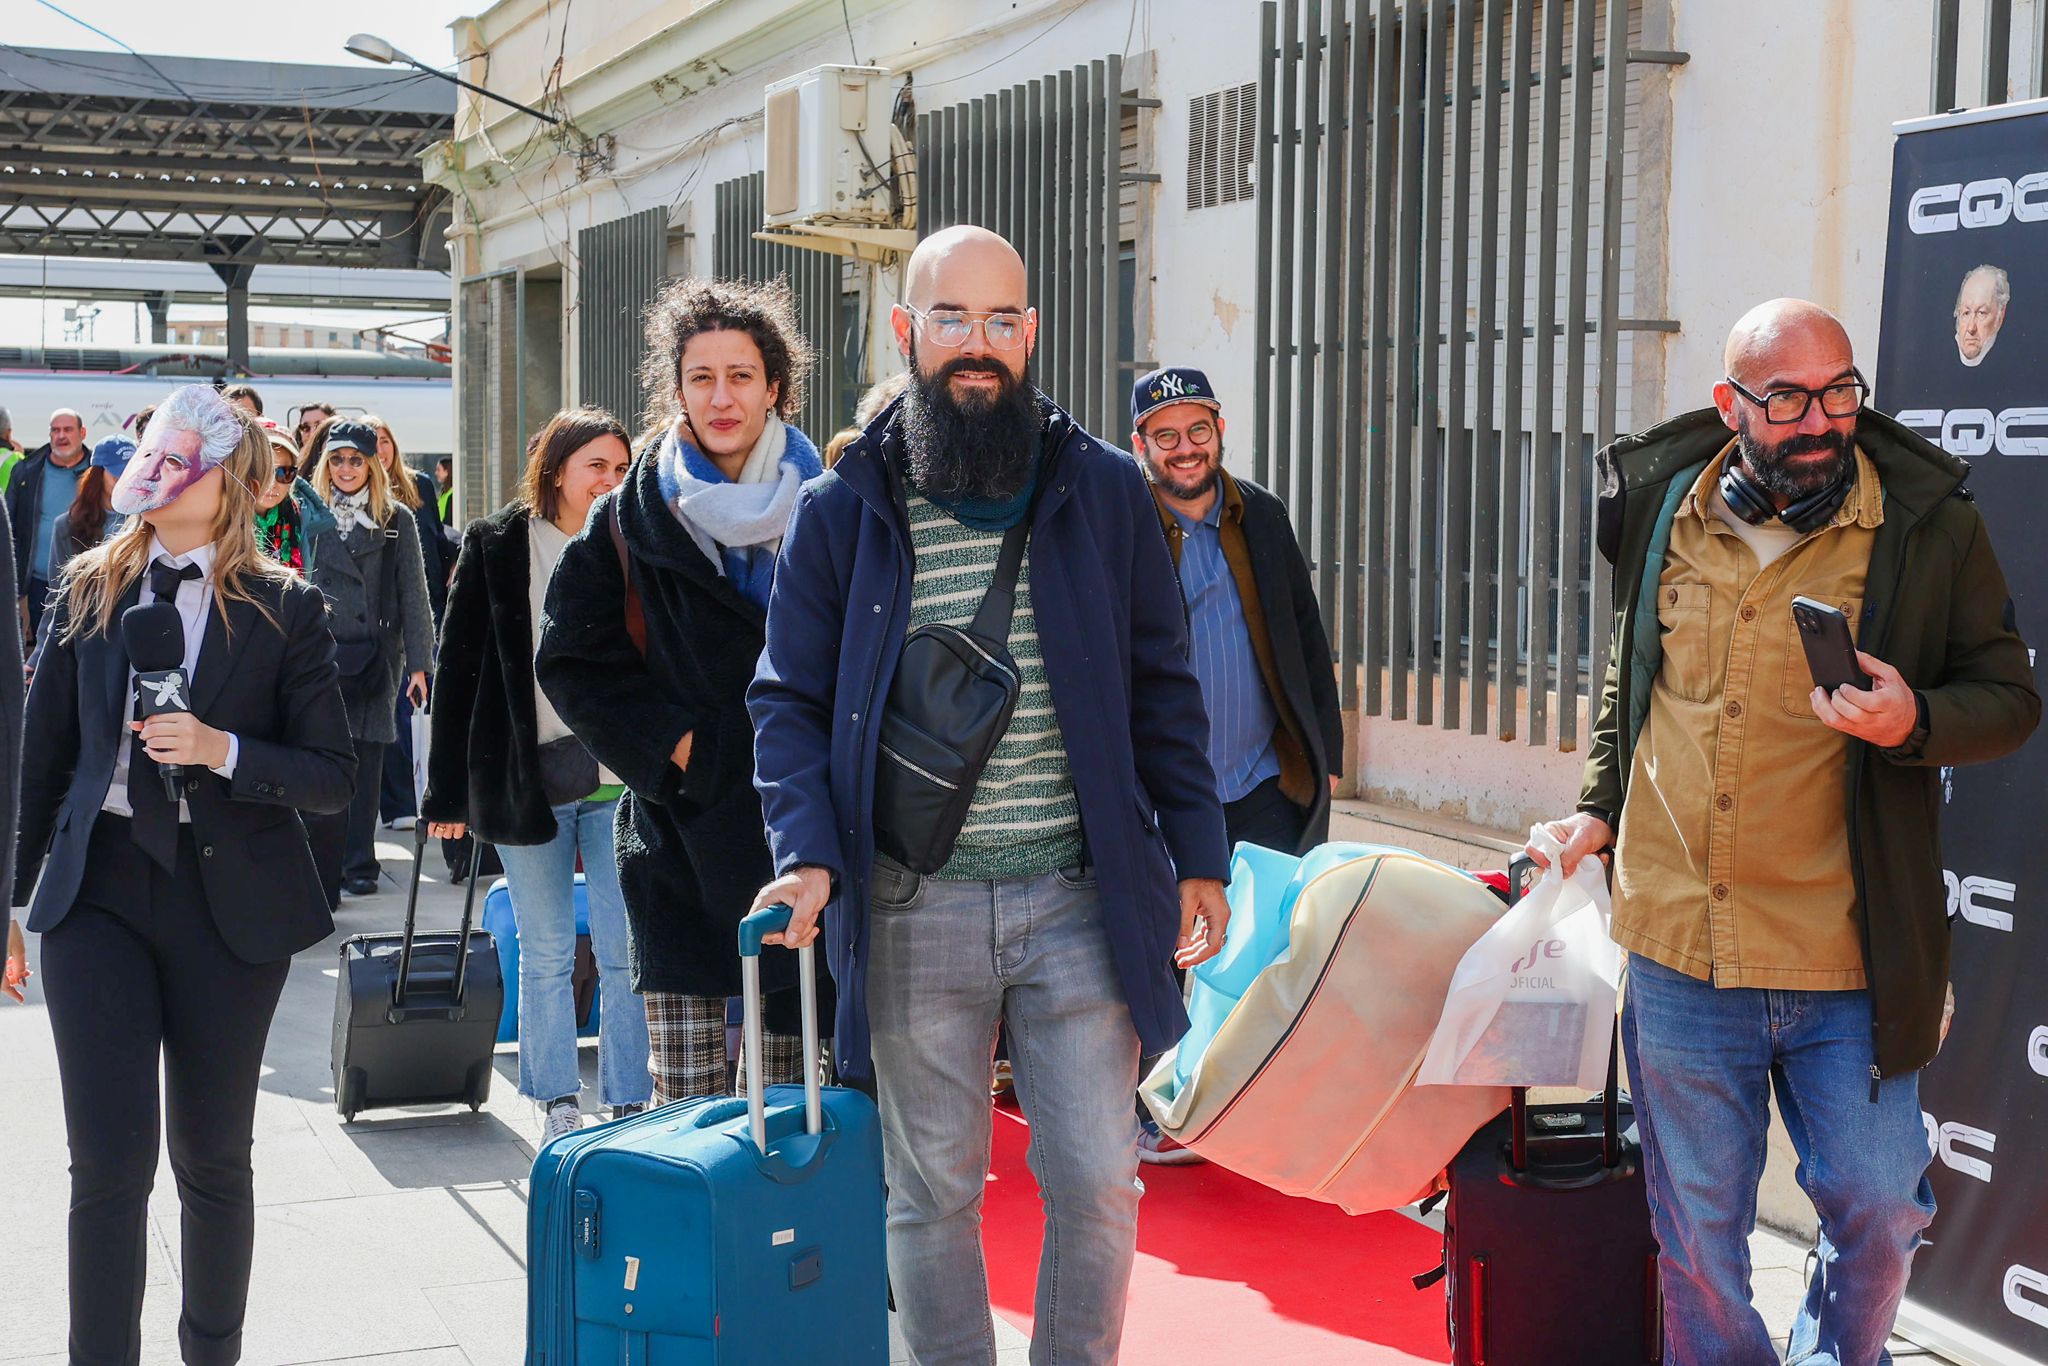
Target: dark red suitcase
1548	1252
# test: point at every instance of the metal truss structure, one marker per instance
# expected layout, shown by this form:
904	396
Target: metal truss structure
231	164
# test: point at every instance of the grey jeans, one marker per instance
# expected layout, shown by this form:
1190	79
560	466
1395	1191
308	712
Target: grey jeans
948	961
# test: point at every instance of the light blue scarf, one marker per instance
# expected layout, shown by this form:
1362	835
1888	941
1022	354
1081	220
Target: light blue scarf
738	523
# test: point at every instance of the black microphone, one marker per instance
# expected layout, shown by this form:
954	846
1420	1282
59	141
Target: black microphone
154	635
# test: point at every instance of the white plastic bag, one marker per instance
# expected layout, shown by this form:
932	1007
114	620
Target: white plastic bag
1532	1001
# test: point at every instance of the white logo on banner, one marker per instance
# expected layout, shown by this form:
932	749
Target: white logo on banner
2037	1050
1984	203
1946	1140
2020	1279
1971	432
1967	898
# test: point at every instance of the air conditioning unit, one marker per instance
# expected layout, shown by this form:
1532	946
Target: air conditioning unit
829	139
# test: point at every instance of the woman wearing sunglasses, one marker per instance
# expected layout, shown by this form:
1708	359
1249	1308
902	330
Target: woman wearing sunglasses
383	636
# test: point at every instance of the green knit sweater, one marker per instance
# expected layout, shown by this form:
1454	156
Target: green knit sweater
1025	819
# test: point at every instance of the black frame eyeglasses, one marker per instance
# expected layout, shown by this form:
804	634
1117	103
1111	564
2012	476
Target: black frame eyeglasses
1843	398
1200	433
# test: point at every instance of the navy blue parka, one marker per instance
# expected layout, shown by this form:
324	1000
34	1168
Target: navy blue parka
1114	639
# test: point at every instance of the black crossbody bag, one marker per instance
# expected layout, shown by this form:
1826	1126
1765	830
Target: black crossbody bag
948	708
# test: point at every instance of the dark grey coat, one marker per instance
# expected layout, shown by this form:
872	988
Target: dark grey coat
348	569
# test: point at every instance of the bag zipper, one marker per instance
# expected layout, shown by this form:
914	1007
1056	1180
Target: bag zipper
923	773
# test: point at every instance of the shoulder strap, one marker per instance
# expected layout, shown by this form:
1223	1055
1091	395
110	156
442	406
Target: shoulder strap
387	575
999	603
636	616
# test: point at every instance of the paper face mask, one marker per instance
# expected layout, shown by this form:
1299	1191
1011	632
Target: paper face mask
191	433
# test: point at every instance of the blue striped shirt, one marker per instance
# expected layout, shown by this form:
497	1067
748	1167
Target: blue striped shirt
1241	715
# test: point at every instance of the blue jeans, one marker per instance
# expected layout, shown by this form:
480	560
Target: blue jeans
948	961
542	879
1703	1061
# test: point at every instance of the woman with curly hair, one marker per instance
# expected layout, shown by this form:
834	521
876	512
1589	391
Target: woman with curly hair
656	688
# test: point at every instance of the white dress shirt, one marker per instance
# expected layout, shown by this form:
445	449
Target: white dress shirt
195	597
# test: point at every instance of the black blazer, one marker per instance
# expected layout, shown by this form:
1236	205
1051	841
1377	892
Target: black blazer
483	768
274	686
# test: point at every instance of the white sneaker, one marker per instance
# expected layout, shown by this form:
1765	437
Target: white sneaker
565	1116
404	822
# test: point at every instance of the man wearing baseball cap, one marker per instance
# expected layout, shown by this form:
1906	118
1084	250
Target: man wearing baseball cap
1255	636
1257	642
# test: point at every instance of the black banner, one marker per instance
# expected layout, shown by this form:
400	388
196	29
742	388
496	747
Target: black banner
1964	359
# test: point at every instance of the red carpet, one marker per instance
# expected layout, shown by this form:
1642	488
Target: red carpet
1230	1272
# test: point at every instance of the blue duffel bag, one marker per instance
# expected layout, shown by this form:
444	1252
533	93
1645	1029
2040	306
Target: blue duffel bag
716	1232
504	928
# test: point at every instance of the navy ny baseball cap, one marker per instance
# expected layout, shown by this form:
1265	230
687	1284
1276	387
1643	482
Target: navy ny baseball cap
1168	385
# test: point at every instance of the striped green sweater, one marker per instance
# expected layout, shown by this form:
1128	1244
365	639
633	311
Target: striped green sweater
1025	819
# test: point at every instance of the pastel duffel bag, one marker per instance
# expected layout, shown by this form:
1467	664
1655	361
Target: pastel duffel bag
1309	1027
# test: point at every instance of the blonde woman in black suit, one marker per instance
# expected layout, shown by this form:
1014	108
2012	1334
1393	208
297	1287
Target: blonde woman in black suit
168	924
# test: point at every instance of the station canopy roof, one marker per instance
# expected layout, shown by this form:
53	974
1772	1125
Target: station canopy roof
226	163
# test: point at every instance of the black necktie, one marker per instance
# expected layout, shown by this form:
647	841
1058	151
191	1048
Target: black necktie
156	815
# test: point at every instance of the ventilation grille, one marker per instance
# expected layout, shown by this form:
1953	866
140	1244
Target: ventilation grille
1223	132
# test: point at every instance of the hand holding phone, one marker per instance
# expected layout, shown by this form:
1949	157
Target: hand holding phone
1830	652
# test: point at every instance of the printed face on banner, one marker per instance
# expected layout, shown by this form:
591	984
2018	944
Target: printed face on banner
1980	312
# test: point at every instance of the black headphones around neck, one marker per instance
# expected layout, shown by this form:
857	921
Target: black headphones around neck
1750	501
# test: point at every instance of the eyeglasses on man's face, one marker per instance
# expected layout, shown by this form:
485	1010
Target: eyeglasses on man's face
1168	439
1784	407
950	327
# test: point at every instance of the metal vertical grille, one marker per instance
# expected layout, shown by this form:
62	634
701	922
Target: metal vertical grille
2013	55
1040	163
1223	131
490	444
1446	256
621	265
818	283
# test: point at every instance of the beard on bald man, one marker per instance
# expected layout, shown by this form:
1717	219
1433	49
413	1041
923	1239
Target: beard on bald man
1786	468
982	445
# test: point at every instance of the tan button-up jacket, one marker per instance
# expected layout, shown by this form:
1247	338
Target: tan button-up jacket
1733	858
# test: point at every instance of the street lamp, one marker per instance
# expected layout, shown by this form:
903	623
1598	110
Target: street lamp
372	48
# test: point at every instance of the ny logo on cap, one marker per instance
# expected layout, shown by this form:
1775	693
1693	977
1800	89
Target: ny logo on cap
1170	385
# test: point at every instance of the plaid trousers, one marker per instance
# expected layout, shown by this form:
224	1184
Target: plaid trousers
686	1049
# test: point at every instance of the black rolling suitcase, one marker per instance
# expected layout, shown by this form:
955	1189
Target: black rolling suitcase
415	1016
1548	1253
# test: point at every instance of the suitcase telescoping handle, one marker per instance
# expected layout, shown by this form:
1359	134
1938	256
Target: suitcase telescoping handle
1522	871
756	927
412	906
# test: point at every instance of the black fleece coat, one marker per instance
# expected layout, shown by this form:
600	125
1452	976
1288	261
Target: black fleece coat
483	768
692	846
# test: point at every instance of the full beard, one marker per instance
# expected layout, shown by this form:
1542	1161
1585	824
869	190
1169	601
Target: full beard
1772	465
1190	487
980	447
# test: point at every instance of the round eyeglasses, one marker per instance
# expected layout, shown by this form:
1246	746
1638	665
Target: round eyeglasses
950	327
1167	439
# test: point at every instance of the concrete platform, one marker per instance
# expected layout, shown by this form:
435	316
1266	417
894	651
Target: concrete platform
399	1238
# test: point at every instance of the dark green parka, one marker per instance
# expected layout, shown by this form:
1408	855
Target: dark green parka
1936	608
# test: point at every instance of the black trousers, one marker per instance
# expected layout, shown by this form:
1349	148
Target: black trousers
345	842
136	973
1263	816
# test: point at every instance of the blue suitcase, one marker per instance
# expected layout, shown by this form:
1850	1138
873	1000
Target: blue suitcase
716	1232
504	929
